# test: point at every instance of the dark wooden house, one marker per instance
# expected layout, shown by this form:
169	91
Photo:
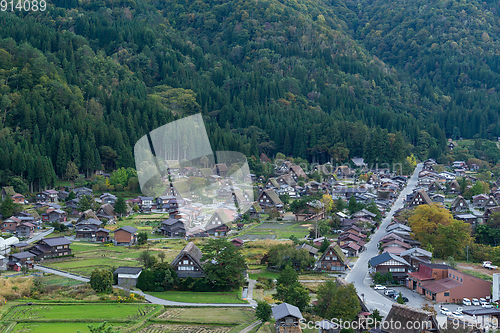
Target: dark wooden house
188	262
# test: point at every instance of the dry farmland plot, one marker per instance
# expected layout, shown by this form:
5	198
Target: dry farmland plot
171	328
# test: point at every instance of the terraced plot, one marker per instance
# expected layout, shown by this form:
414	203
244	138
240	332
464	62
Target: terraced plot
221	316
171	328
53	327
79	312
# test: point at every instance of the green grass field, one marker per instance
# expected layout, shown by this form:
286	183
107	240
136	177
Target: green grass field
79	312
51	279
281	230
126	318
262	272
54	327
200	297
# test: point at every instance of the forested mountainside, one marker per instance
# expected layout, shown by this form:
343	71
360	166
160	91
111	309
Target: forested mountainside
451	48
319	80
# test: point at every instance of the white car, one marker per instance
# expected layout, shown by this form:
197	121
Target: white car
466	302
457	315
482	301
486	305
379	287
475	302
445	311
459	309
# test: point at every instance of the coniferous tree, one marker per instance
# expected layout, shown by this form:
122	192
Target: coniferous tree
120	206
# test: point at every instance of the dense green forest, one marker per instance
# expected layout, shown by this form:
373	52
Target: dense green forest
320	80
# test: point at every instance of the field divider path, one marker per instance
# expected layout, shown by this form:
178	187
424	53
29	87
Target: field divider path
251	326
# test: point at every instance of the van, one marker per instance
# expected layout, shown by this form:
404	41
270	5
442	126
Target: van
466	302
475	302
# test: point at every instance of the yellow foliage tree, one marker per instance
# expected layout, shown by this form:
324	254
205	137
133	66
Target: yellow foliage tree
328	202
434	224
411	160
425	220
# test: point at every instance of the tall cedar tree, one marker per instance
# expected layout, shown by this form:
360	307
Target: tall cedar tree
7	207
337	301
224	264
121	206
290	290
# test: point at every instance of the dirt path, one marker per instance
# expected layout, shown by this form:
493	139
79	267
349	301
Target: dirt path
478	268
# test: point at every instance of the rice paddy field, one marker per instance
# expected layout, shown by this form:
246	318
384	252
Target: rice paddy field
126	318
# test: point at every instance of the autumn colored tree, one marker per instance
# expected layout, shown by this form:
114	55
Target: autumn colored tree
327	202
425	221
433	224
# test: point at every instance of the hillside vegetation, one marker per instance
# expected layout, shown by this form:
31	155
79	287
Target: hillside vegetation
319	80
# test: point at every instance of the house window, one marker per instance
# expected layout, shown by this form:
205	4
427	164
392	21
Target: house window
446	294
327	258
185	262
396	269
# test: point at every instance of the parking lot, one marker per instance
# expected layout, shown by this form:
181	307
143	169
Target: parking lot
416	300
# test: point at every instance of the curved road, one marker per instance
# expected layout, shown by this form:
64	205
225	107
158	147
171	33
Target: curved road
359	273
149	298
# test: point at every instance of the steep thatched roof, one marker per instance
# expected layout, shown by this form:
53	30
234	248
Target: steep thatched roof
405	314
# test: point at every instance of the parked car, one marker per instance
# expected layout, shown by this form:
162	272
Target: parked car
459	309
486	305
489	265
475	302
389	292
379	287
445	311
457	315
466	302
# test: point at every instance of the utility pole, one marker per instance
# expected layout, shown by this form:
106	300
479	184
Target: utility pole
467	253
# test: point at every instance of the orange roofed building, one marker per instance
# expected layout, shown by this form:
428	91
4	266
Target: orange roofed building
444	284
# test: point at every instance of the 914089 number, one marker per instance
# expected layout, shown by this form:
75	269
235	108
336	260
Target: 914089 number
23	5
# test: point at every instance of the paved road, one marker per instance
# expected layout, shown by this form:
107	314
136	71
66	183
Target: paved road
251	327
359	273
149	298
61	273
40	235
251	286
